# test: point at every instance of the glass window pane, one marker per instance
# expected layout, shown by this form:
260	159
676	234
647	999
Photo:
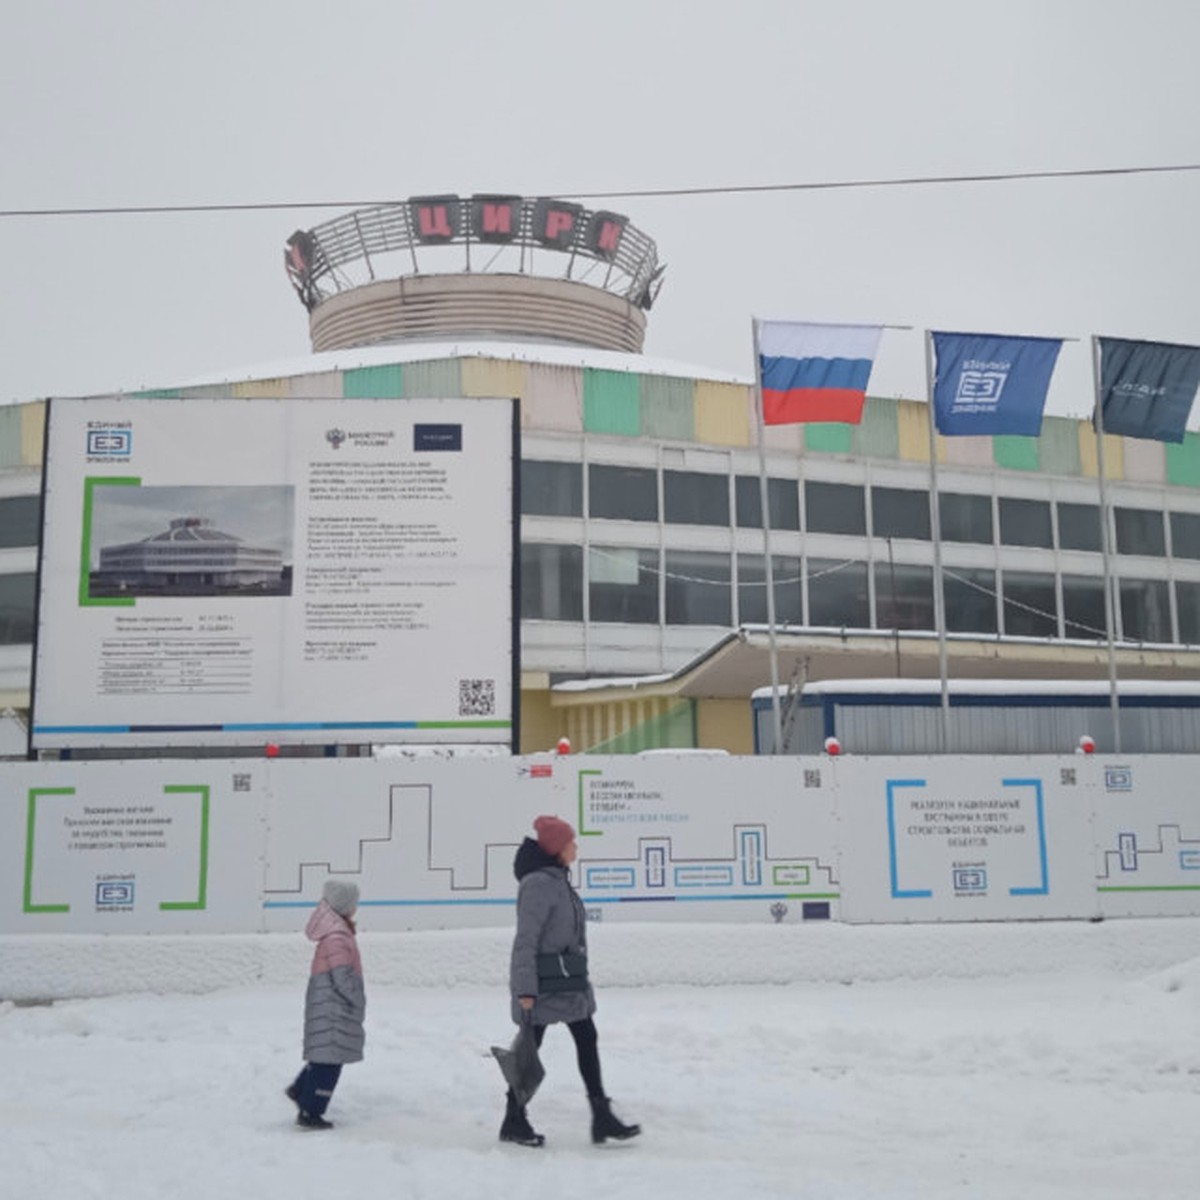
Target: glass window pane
835	508
17	600
965	518
837	593
1083	607
1079	527
903	596
20	517
551	582
970	598
1025	522
1185	535
1187	600
623	493
1145	611
623	584
551	489
698	588
1030	609
1140	531
695	498
900	513
752	589
783	496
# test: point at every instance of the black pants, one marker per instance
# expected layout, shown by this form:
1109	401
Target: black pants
587	1052
314	1086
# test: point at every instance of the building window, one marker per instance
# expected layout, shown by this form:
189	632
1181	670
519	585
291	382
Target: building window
1079	527
1025	522
551	582
1140	531
622	493
1187	601
837	593
752	589
899	513
1030	609
970	598
20	519
835	508
1185	535
903	596
1083	607
623	584
551	489
17	602
1145	611
782	494
965	518
695	498
698	588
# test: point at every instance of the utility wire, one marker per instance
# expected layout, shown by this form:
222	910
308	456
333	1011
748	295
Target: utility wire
629	194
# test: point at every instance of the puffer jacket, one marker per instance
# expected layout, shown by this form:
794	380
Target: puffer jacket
336	1002
550	920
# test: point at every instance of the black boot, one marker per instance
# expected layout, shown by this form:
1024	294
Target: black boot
516	1127
605	1125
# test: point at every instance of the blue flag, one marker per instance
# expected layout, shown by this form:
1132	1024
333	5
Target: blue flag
985	384
1147	388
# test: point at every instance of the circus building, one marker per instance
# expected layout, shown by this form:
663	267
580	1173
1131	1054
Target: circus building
189	558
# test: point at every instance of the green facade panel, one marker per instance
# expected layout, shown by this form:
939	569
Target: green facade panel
10	435
879	433
1058	448
667	408
611	402
1015	453
829	437
363	383
1183	461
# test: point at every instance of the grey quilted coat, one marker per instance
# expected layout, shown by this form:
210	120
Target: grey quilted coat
336	1003
550	920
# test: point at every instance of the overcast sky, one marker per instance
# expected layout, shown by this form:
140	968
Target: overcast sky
148	102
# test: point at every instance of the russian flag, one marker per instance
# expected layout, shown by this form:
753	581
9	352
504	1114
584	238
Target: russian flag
814	372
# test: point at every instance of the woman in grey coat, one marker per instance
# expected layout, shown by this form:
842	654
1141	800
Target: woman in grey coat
548	976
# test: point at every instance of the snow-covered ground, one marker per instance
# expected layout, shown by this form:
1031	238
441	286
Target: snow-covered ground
991	1061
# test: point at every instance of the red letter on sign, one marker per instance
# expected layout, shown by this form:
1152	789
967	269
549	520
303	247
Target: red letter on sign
434	222
497	218
610	237
558	223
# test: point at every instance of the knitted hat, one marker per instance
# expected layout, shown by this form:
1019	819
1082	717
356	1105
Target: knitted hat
553	834
341	895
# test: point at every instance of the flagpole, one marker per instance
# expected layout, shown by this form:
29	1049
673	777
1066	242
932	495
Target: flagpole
1110	606
776	717
935	529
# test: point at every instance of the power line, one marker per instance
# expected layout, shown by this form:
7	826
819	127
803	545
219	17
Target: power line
629	194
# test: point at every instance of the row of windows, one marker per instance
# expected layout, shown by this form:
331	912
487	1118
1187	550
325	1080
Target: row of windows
697	498
698	589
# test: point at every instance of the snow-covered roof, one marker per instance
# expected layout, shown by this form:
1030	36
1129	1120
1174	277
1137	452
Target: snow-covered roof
414	350
994	687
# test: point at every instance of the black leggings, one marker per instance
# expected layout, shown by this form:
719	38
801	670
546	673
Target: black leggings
586	1052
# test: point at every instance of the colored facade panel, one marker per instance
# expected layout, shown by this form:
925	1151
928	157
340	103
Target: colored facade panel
11	418
493	377
1059	446
553	398
912	432
325	386
1183	461
723	413
260	389
1145	461
611	402
879	434
829	437
33	432
367	382
1114	453
158	394
784	439
437	377
1016	453
966	452
666	408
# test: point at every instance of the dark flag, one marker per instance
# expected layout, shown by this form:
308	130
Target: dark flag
1147	388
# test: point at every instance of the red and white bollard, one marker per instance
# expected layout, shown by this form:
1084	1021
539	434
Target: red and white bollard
1087	745
563	746
833	747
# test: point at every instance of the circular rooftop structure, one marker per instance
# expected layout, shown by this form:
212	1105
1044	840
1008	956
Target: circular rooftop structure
491	266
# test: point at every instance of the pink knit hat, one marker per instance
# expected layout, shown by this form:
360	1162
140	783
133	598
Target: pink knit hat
553	834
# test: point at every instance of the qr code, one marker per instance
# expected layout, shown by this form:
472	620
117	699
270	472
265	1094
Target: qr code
241	782
812	778
1066	776
476	697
